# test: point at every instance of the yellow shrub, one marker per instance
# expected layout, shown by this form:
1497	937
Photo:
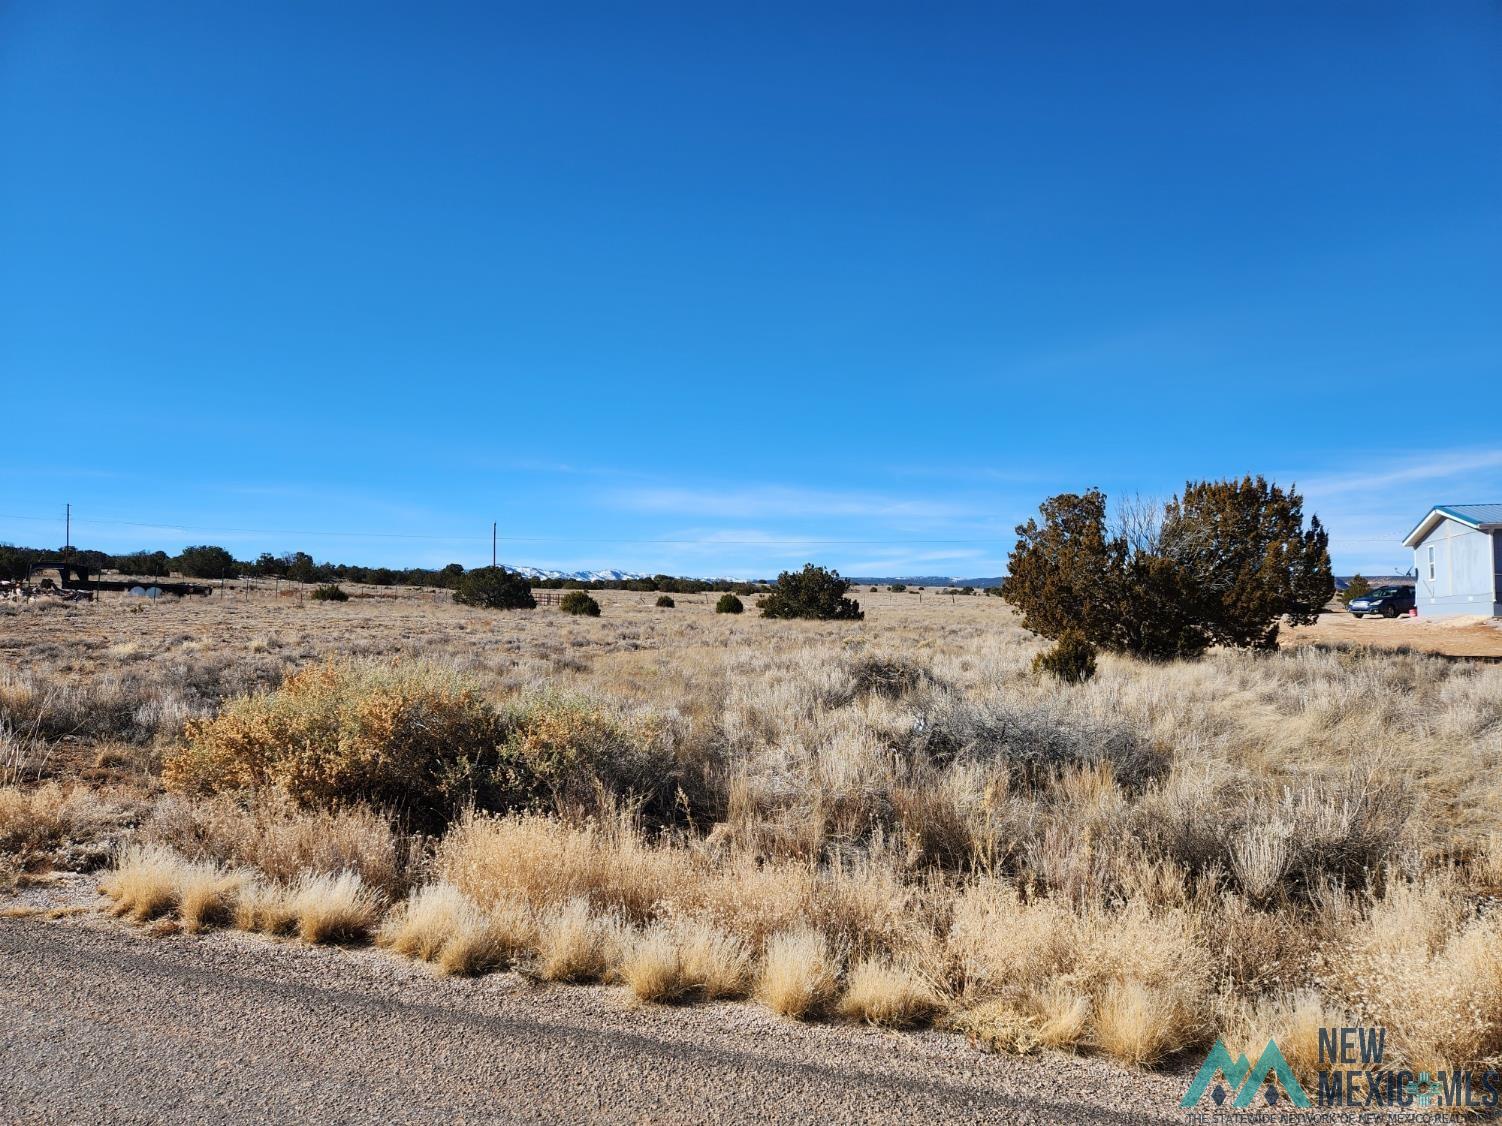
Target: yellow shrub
396	735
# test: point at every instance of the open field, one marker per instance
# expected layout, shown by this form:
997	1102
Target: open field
889	823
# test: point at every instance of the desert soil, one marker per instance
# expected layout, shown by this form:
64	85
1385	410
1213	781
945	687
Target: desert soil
102	1022
1453	637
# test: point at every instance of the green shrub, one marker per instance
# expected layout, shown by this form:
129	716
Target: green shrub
1072	659
403	737
329	593
1356	588
728	604
897	588
561	751
494	588
578	602
206	561
813	592
666	601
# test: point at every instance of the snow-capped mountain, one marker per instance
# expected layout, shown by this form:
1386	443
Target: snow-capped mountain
610	576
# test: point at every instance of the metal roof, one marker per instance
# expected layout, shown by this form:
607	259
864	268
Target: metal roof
1482	516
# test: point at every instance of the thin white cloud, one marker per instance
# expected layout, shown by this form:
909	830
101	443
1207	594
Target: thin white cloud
1368	509
780	501
1409	469
924	562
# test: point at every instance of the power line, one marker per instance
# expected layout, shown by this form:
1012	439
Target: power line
312	532
703	542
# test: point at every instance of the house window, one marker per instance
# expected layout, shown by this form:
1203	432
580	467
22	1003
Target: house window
1431	562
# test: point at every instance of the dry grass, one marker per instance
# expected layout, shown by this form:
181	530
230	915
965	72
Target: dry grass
714	965
652	966
146	884
439	924
1134	981
281	841
206	896
798	974
265	908
879	992
575	944
488	941
894	820
1294	1020
52	826
1138	1024
334	909
1423	965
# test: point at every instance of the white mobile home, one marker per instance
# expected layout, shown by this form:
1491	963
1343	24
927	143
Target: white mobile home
1457	555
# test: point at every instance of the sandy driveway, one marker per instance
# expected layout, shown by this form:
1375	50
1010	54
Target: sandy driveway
101	1023
1455	637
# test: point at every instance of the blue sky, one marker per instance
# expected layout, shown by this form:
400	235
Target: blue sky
716	289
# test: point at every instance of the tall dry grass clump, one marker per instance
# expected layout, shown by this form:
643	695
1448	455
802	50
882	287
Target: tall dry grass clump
56	826
883	993
652	965
714	965
439	924
152	882
146	883
207	895
264	907
798	975
334	908
544	861
1132	981
681	959
576	944
1424	965
1293	1019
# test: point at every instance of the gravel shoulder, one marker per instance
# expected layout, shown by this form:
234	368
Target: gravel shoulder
100	1022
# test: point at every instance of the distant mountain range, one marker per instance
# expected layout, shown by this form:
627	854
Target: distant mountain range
610	576
614	576
924	580
1343	581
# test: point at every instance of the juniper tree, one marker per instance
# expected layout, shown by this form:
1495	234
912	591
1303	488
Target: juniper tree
494	588
1220	565
813	592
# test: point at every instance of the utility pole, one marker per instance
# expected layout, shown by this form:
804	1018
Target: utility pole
67	528
492	545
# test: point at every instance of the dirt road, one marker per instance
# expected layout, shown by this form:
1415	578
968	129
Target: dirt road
1454	637
100	1023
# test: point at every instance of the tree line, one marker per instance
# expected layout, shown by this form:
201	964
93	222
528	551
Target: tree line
210	561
